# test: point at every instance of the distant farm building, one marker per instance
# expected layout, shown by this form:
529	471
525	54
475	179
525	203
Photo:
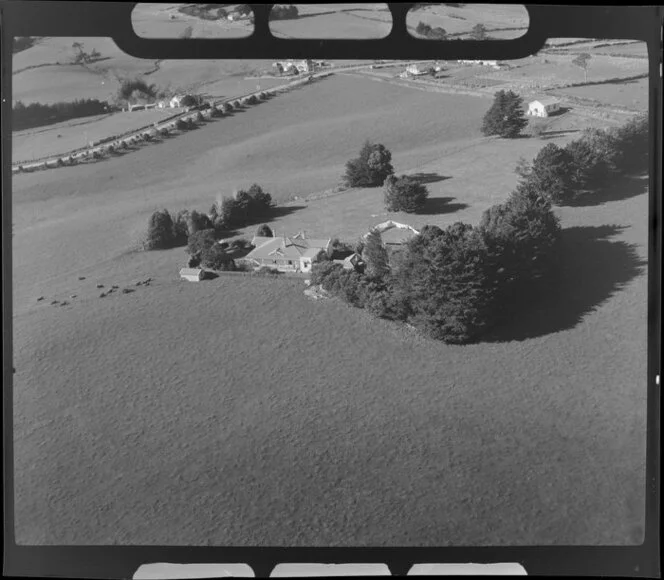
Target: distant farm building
419	69
191	274
289	66
491	63
176	101
287	254
394	234
543	107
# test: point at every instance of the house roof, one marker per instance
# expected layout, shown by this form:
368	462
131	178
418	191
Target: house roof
285	247
190	272
397	235
545	101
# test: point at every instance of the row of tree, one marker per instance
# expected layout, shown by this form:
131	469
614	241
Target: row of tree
167	230
38	114
584	165
433	33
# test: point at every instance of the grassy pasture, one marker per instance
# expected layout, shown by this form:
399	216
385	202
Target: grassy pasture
463	19
154	21
68	135
301	423
632	94
338	24
369	449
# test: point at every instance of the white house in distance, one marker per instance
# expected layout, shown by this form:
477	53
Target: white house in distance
419	69
543	107
176	101
191	274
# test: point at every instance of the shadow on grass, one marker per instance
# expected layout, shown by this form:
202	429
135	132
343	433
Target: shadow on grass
558	133
619	189
440	206
426	178
592	268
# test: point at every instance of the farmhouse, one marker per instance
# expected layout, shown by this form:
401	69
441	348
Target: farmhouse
191	274
543	107
176	101
393	233
287	254
302	66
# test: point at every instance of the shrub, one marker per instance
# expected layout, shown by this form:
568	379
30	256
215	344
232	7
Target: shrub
264	231
245	206
371	167
199	117
251	100
227	107
267	271
284	12
200	241
506	117
189	101
404	194
587	167
478	32
216	258
181	124
160	231
164	132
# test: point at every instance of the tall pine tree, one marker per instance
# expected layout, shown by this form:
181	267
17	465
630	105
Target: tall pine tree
506	117
375	256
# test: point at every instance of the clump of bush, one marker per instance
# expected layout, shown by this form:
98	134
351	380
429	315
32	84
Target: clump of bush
264	231
435	33
370	168
245	207
404	194
284	12
251	100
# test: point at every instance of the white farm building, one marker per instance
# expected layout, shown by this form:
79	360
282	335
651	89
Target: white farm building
543	107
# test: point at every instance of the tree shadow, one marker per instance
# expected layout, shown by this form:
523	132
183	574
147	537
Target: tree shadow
625	187
559	112
430	177
558	133
440	206
591	270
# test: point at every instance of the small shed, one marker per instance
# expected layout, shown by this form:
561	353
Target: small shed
543	107
191	274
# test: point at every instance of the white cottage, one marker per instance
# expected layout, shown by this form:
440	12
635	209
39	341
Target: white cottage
543	107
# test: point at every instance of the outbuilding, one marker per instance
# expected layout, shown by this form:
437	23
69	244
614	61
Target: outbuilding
543	107
191	274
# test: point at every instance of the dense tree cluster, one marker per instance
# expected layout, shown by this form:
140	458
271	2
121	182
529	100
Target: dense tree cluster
135	90
563	174
405	194
434	33
245	207
283	12
38	114
264	231
370	168
454	284
506	117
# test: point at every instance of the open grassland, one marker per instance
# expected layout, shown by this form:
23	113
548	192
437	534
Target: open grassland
336	21
101	79
237	412
152	20
632	93
462	20
276	421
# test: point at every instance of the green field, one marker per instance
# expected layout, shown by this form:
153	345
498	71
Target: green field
238	412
